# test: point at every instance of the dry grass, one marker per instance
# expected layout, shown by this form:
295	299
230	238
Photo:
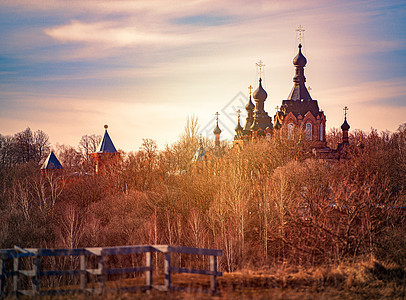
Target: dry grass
348	280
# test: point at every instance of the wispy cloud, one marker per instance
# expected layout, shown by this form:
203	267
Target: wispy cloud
106	33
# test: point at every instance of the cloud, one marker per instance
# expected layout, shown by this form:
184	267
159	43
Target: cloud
106	33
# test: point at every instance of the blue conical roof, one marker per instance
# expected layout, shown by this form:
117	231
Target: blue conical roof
106	145
51	162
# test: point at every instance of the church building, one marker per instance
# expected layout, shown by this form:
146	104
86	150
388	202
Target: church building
298	115
105	154
299	110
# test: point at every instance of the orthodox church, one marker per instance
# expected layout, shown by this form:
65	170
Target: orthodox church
298	115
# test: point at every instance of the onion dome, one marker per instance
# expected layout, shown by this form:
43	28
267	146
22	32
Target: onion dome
345	125
260	93
238	128
250	105
299	60
217	130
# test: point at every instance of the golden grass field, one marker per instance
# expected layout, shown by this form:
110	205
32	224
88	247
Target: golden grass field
347	280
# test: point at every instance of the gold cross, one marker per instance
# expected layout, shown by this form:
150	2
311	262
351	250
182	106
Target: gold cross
250	88
300	29
260	64
238	112
277	108
345	111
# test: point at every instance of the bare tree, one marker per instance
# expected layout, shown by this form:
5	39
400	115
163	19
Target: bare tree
88	145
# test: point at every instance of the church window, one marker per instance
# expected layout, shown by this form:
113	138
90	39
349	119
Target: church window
309	128
321	132
291	126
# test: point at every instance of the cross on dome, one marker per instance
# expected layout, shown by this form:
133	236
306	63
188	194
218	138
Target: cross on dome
345	109
300	29
260	64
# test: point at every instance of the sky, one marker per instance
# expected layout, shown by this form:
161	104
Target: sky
143	67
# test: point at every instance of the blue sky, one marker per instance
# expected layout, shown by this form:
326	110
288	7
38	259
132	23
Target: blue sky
143	67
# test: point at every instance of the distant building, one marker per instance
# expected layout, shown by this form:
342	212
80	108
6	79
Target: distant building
299	114
51	164
301	111
105	154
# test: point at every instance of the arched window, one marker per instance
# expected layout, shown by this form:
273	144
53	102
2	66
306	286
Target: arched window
321	132
309	131
291	126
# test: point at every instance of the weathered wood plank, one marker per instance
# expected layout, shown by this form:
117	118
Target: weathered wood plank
125	250
36	267
167	271
2	276
94	271
213	278
59	272
94	251
83	274
195	271
196	251
28	273
126	270
16	277
149	274
159	248
61	252
102	276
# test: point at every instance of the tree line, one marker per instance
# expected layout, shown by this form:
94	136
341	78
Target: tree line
270	202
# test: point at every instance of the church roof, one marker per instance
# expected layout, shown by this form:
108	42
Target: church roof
300	60
299	101
200	154
217	129
260	94
51	162
106	145
250	105
299	91
345	125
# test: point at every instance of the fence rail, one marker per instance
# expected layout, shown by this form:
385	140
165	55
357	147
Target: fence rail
12	258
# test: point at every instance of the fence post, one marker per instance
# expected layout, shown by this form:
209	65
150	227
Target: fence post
35	279
83	274
167	271
16	275
2	276
149	264
213	278
102	279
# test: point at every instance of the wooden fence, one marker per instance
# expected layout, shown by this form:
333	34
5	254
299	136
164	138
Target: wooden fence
11	271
